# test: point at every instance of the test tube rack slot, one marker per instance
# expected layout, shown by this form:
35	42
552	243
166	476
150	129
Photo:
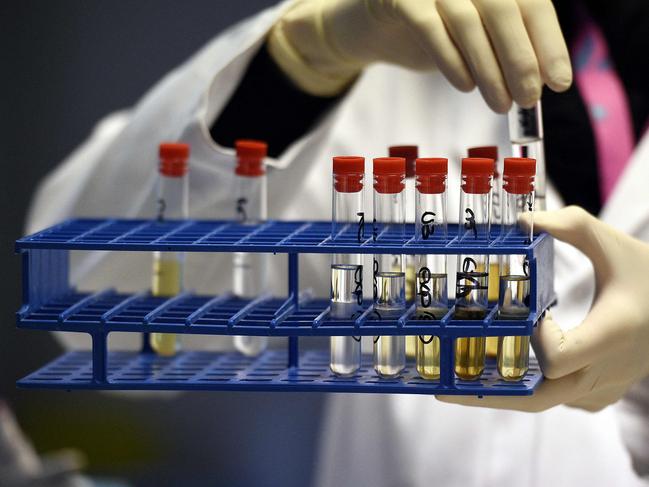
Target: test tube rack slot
50	303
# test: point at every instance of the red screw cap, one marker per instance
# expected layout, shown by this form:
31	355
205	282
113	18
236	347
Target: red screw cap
250	157
388	174
348	172
409	152
519	174
173	159
476	175
486	152
431	175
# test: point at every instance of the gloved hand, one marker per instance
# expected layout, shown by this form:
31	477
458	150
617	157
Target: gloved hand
594	364
509	48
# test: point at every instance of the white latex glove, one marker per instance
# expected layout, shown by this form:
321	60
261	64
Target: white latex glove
508	48
594	364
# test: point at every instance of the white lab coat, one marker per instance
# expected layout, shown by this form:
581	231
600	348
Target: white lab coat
367	439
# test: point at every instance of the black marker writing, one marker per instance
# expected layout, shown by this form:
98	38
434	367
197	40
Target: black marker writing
427	224
470	222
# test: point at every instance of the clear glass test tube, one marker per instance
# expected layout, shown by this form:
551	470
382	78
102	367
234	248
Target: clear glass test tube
346	269
526	136
432	293
471	293
514	302
491	152
388	269
249	270
410	153
173	191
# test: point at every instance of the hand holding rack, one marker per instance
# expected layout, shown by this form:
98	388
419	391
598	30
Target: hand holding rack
50	303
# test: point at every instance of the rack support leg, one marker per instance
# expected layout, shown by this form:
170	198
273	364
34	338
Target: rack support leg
99	357
447	362
146	343
294	293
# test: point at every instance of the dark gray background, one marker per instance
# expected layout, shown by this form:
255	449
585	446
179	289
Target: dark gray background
65	64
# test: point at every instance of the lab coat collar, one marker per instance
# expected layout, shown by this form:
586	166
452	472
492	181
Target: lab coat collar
628	206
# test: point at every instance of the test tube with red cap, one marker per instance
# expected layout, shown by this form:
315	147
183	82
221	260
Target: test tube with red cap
410	153
514	302
388	269
471	296
491	152
430	224
347	225
173	191
526	136
249	271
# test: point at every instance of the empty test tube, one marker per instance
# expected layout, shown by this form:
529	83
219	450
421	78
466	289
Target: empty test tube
410	153
167	277
249	271
346	269
472	280
526	136
432	294
388	269
491	152
514	301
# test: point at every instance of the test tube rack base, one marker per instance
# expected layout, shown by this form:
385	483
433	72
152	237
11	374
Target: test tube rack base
50	303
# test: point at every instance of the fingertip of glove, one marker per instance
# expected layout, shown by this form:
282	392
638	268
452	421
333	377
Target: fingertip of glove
559	78
464	84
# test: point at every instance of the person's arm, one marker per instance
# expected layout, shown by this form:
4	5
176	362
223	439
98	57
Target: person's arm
268	106
317	49
508	48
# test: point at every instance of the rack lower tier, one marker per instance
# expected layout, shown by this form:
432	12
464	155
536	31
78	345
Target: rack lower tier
109	311
231	371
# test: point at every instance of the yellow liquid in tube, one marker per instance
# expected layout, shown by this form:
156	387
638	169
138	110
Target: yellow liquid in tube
514	351
165	283
513	357
428	349
470	351
493	292
411	341
428	352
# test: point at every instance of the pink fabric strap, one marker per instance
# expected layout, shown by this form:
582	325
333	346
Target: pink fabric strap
607	103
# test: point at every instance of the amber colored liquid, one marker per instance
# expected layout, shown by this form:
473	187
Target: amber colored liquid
166	282
428	352
470	351
410	279
411	341
514	351
513	357
493	292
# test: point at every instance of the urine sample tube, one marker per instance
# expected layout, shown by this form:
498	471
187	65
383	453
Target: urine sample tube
514	302
410	153
167	277
388	269
249	270
491	152
526	136
346	269
432	293
471	293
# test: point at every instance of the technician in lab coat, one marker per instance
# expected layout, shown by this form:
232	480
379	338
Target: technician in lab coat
346	47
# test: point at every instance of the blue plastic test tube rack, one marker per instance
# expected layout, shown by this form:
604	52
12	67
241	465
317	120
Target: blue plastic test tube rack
49	303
